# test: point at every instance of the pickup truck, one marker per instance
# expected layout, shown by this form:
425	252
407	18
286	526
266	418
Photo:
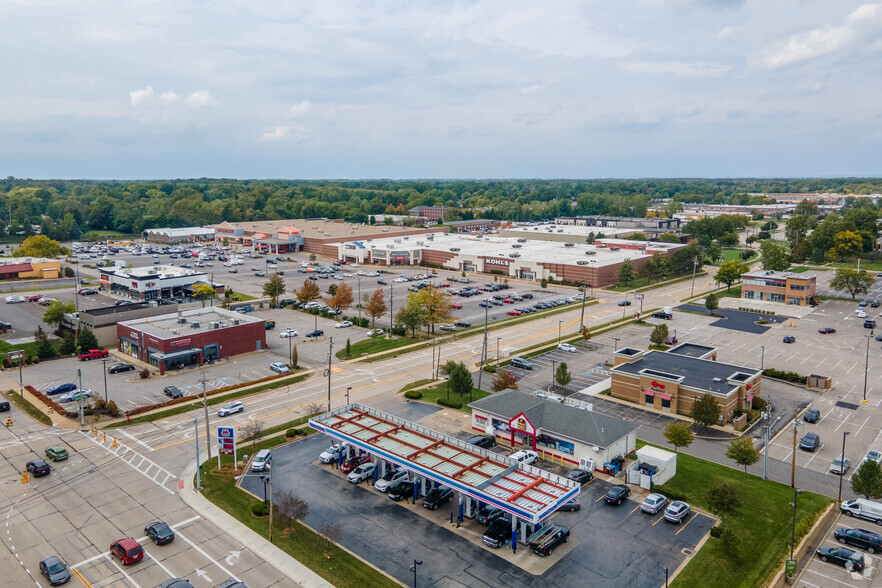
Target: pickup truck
93	354
544	541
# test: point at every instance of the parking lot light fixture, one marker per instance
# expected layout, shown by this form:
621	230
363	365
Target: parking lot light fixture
762	357
416	562
347	394
796	493
559	325
198	466
867	365
616	343
104	363
842	464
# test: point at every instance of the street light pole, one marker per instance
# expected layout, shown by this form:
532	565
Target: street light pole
866	367
793	462
347	394
694	267
330	350
796	492
198	467
559	324
766	431
616	340
205	406
842	468
762	357
359	301
104	362
391	307
498	339
483	349
416	562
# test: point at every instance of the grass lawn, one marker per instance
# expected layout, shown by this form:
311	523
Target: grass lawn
644	283
416	384
733	254
734	292
763	524
433	393
375	345
108	233
802	269
870	266
299	541
29	408
30	348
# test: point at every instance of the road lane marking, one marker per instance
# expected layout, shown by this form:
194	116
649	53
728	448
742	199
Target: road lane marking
157	562
121	571
208	557
80	577
136	440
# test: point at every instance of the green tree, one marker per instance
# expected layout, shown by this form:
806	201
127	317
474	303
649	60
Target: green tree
742	452
669	238
728	240
348	347
562	375
730	272
679	434
461	380
706	411
86	340
852	281
801	251
273	288
867	480
312	257
626	272
796	230
711	302
806	208
68	272
504	380
40	246
657	266
714	252
68	343
542	284
435	304
774	256
412	315
846	244
56	310
723	499
203	292
670	209
659	335
45	348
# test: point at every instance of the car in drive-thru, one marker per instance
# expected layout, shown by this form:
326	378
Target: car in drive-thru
437	496
862	508
483	441
361	473
331	453
353	462
545	540
498	531
390	477
401	490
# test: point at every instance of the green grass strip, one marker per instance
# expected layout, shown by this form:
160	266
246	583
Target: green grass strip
29	408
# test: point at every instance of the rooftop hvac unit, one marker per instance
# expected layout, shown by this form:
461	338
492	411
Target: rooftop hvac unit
514	254
592	252
182	320
569	244
213	325
454	249
406	238
194	325
385	231
581	262
516	245
174	332
615	248
418	242
390	246
397	240
234	321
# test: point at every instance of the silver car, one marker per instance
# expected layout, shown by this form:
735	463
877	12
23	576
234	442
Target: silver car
389	478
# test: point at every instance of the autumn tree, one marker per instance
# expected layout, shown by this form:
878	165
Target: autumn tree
412	315
308	292
343	298
376	306
504	380
435	306
274	287
846	244
203	292
40	246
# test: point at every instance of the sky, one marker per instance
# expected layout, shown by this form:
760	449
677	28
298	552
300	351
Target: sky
121	89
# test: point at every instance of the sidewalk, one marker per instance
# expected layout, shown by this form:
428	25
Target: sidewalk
299	574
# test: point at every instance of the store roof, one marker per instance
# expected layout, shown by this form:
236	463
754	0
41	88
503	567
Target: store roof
552	417
167	326
698	374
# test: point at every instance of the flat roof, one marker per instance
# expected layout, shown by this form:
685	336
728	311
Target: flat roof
692	350
321	229
761	273
527	492
692	372
528	250
166	326
180	232
536	231
148	271
18	260
103	311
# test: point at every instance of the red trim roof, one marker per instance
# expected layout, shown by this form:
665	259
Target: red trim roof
15	268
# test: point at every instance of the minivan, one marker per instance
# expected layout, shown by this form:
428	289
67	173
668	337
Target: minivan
262	460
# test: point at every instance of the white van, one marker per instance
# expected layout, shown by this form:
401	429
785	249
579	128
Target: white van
262	461
863	509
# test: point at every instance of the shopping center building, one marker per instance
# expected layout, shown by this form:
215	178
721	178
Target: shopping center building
154	282
780	287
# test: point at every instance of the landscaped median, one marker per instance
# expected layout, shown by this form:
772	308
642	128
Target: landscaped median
753	540
440	393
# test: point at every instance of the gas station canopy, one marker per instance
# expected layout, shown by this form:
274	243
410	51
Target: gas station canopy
529	493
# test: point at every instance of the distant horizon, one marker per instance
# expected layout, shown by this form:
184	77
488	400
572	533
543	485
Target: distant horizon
442	179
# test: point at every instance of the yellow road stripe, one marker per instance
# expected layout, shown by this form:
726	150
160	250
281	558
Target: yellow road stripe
686	525
660	519
598	500
635	508
80	577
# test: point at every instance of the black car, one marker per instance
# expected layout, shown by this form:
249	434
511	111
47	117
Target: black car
811	415
4	406
581	476
625	303
617	494
841	556
463	324
401	490
176	583
61	388
382	282
488	514
662	315
810	442
287	301
546	543
233	584
868	540
498	532
437	496
159	533
520	362
315	333
483	441
38	468
120	367
173	391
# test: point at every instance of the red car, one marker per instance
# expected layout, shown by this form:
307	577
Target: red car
127	550
671	340
93	354
445	285
457	306
513	313
508	300
353	462
34	298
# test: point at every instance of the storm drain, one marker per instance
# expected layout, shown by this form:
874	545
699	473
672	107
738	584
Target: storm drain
686	551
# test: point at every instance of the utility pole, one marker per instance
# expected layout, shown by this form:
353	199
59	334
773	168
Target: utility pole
330	348
483	349
81	401
391	306
198	467
866	366
359	301
694	267
205	406
271	500
793	463
584	296
104	363
766	430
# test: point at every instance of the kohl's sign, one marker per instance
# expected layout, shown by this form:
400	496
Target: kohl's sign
502	262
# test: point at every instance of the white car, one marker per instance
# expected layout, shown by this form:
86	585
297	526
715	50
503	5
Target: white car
231	408
361	473
15	299
567	347
389	478
279	367
375	332
331	453
860	313
873	455
75	395
343	324
654	503
525	457
288	333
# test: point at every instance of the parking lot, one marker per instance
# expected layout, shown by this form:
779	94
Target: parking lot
25	317
819	574
390	535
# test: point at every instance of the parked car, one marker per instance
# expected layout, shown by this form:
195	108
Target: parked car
437	496
498	531
262	461
572	505
159	533
173	392
789	339
826	330
662	315
839	466
487	514
343	324
671	340
677	511
127	550
567	347
552	537
118	368
390	477
15	299
55	570
93	354
581	476
811	415
231	408
375	332
870	324
520	362
525	456
75	395
331	453
617	494
288	333
842	556
88	292
353	462
4	406
862	538
279	367
463	324
400	490
873	455
38	468
46	301
654	503
483	441
361	473
61	388
315	333
810	442
56	453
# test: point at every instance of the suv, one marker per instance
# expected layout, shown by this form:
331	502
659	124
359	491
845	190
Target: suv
437	496
488	514
401	490
173	391
56	453
498	531
127	550
262	461
810	442
482	441
868	540
361	473
870	324
38	468
662	315
520	362
390	478
811	415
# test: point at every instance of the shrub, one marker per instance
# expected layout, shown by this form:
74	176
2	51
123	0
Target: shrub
295	433
260	510
450	404
784	375
715	532
144	374
490	369
413	394
723	499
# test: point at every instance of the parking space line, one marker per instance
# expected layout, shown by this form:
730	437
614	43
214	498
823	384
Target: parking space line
635	508
121	571
81	578
829	577
157	562
661	518
686	525
814	455
599	499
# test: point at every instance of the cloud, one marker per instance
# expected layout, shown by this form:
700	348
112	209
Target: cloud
642	120
695	69
168	97
140	96
715	4
200	98
864	23
299	109
284	133
530	89
726	33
